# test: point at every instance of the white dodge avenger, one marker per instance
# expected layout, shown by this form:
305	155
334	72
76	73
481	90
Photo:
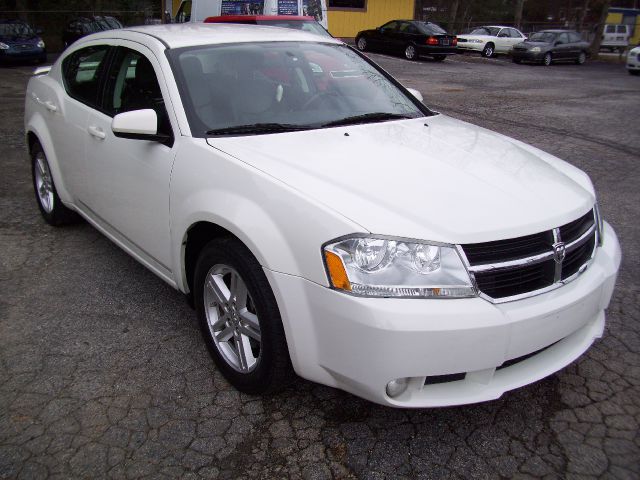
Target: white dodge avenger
322	220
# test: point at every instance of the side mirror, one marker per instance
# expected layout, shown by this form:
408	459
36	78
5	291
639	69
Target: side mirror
415	93
137	125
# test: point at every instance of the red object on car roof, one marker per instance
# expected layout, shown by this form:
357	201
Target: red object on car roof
257	18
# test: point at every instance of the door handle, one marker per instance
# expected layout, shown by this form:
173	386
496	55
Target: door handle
97	132
50	106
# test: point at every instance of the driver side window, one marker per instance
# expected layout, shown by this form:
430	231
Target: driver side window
389	27
133	85
563	38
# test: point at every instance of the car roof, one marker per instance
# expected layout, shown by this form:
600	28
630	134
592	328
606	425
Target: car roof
551	30
195	34
259	18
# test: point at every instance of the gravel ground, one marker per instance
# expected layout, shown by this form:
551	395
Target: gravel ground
103	373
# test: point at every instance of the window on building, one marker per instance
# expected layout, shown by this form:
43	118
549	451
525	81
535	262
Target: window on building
347	4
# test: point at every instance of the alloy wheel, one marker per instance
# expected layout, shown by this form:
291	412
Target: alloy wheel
44	183
362	44
232	318
410	52
547	59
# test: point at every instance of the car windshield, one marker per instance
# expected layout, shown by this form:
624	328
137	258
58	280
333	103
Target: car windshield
112	22
253	88
15	29
491	31
545	37
306	26
430	28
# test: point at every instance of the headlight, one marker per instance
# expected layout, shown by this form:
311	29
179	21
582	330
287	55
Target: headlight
390	267
535	50
476	40
4	46
40	44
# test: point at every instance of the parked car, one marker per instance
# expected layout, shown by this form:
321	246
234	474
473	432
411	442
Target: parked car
550	46
323	220
491	40
306	24
410	37
616	37
633	61
83	26
20	42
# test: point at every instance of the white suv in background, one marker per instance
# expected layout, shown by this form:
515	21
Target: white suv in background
616	37
633	61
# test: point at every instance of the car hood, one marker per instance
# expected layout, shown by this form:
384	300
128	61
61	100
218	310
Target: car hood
529	44
476	37
449	181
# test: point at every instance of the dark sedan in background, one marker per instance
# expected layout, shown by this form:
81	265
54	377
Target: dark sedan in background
18	42
83	26
550	46
410	37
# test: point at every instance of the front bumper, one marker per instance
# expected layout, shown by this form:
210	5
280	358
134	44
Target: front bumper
527	55
360	344
16	55
633	63
473	47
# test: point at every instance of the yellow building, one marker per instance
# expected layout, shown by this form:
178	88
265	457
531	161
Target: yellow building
626	16
350	17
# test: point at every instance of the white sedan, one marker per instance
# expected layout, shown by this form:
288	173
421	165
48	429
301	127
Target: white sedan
491	40
321	218
633	61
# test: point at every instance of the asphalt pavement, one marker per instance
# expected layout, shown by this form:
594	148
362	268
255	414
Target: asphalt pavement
103	372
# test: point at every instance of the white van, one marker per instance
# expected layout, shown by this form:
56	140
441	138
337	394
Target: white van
198	10
616	37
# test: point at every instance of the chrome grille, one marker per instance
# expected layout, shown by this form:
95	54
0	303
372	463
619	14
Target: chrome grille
514	268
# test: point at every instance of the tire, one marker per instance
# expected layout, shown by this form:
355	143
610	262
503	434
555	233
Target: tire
410	52
634	72
51	207
582	57
439	58
231	326
361	44
489	50
547	60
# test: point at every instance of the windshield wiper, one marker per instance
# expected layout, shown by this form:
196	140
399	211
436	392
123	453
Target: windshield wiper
256	129
367	118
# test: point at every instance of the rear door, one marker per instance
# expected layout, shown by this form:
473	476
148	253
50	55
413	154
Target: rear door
562	48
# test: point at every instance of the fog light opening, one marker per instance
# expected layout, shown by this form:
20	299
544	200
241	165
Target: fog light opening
397	387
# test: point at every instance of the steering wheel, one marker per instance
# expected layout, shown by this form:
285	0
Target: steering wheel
315	97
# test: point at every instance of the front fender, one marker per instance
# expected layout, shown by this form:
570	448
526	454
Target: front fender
283	228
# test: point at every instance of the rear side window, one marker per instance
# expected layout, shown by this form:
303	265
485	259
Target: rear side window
575	37
622	29
82	71
611	29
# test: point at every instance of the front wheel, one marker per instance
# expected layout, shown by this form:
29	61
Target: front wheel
582	57
488	50
239	318
634	72
361	43
547	60
410	52
51	207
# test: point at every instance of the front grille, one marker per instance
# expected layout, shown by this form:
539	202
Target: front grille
518	266
464	40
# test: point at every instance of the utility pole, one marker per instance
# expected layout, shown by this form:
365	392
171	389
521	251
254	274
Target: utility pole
583	15
595	45
518	13
453	13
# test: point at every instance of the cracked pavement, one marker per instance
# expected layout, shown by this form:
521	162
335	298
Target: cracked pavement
103	373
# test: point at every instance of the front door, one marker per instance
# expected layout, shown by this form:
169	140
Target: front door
130	178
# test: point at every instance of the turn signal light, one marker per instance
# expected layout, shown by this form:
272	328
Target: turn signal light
432	41
337	272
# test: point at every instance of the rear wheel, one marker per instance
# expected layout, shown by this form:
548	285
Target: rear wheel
439	58
410	52
361	43
49	203
239	318
582	57
488	50
547	59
